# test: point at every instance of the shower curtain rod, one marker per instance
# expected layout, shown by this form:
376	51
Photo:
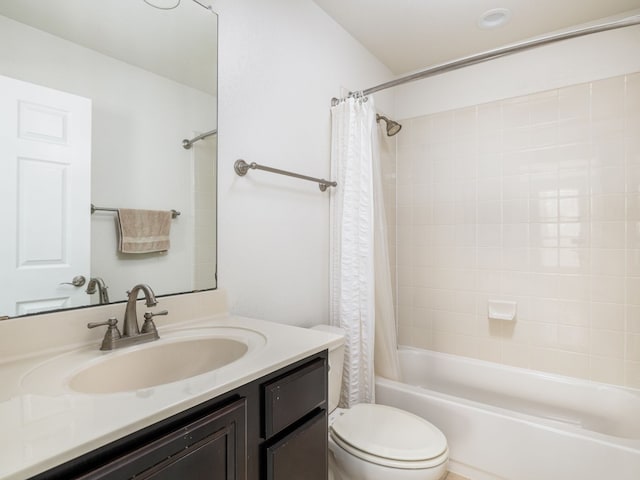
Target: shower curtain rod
187	144
499	52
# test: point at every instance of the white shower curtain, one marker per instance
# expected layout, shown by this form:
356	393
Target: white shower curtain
359	259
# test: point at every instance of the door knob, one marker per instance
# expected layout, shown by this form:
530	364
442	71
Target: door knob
77	281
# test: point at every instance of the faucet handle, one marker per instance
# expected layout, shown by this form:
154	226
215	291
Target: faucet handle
150	315
149	326
111	335
112	322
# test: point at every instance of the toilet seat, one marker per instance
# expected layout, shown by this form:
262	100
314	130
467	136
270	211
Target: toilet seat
389	436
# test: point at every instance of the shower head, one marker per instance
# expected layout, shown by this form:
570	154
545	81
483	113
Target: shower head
392	127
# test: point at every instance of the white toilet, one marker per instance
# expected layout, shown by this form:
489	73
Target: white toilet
377	442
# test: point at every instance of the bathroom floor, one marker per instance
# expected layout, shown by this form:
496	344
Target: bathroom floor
453	476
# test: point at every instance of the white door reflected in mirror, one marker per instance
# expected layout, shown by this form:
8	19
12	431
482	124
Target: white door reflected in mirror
45	178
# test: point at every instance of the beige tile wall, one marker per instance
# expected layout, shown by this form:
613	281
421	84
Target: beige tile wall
534	199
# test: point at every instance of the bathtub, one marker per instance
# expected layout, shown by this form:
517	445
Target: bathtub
511	423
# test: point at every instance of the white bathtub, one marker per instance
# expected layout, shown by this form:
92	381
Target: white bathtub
516	424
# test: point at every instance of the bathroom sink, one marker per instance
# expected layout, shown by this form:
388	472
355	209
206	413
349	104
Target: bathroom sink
157	365
176	356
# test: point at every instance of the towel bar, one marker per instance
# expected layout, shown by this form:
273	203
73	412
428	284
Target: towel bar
174	213
241	167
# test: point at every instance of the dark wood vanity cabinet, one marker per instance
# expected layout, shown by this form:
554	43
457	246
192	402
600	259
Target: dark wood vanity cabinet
274	428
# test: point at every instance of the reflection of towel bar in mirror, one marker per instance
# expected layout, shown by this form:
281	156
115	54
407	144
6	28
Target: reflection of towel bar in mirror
241	167
174	213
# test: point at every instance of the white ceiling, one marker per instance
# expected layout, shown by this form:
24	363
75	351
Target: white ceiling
409	35
180	44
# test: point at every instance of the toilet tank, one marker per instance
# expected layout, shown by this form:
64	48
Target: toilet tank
336	361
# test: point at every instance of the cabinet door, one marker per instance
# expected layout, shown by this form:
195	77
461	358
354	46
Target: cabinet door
302	454
213	447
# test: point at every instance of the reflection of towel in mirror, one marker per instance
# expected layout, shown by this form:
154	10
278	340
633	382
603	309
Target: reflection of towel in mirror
143	231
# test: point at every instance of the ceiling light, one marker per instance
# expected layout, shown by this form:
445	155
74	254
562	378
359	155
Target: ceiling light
494	18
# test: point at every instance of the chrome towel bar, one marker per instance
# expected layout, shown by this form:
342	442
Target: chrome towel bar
174	213
241	167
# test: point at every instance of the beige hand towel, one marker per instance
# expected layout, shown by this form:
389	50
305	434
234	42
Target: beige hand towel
143	231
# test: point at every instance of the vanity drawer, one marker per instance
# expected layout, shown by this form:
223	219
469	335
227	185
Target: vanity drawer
290	397
301	454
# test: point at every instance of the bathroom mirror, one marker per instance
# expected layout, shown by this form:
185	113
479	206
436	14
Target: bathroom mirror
96	99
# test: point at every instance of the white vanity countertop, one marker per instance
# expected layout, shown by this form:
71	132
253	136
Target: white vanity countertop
43	427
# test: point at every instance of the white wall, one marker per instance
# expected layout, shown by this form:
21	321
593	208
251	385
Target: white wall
280	62
139	120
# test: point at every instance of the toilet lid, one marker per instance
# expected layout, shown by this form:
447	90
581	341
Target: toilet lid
390	433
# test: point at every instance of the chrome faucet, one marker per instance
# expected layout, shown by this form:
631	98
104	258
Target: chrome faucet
130	326
131	333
